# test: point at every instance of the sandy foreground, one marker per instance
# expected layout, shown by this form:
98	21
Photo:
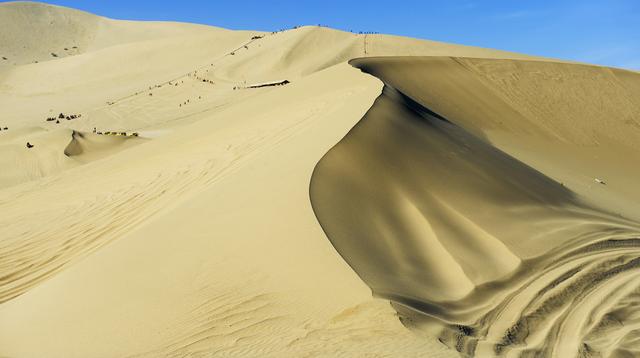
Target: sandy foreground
394	198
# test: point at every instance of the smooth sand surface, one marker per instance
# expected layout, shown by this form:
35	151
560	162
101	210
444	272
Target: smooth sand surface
469	196
398	198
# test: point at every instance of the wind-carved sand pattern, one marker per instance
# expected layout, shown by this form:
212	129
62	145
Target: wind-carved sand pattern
120	206
490	206
471	245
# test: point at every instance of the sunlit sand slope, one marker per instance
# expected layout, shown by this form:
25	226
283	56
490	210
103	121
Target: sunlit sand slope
173	217
33	32
431	205
213	248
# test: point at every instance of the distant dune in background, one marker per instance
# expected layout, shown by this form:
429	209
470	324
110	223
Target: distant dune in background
179	190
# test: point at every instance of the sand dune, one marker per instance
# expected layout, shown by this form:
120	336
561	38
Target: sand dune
53	152
573	122
504	258
33	32
397	197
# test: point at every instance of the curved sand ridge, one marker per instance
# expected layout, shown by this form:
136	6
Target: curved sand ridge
434	209
202	241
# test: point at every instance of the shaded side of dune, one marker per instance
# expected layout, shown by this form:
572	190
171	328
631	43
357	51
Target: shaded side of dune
487	252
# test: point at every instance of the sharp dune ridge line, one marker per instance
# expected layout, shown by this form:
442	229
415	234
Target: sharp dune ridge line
393	198
506	259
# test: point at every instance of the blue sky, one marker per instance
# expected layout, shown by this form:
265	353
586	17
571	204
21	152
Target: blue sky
604	32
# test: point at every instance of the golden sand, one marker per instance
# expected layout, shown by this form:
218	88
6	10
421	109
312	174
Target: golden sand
398	197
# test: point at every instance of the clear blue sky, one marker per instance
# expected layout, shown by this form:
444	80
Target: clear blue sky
604	32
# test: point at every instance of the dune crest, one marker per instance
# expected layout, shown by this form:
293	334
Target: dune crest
488	200
506	259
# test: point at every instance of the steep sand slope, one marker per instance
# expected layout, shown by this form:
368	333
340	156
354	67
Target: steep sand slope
575	123
220	263
198	238
443	199
214	248
152	85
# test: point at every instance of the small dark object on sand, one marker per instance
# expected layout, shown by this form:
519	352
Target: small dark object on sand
600	181
29	145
